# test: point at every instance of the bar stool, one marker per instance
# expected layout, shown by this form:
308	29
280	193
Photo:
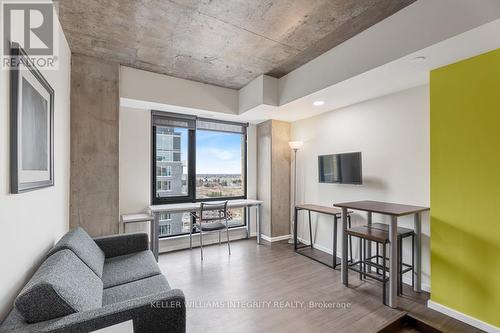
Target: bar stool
402	267
379	233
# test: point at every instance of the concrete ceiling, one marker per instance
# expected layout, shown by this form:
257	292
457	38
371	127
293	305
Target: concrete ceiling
222	42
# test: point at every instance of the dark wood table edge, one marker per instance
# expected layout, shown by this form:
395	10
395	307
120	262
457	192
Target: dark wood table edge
347	206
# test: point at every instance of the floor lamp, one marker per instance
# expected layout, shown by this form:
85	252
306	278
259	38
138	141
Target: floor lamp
294	145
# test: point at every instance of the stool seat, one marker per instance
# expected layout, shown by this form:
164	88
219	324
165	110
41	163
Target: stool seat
402	232
368	233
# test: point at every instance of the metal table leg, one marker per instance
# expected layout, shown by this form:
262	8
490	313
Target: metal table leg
343	267
257	223
156	231
417	253
310	231
368	249
393	262
191	232
295	229
247	214
334	245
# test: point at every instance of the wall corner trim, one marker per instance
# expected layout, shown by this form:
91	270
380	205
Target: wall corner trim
463	317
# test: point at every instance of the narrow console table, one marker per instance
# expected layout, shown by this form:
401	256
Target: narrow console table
309	250
394	211
156	210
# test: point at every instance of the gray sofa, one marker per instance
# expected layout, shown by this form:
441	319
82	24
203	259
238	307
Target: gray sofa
86	284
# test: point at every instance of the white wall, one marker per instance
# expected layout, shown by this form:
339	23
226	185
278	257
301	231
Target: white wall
135	167
30	223
139	85
392	132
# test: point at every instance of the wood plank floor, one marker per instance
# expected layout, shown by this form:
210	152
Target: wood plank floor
272	289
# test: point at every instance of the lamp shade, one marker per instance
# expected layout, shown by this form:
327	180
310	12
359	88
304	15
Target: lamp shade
295	144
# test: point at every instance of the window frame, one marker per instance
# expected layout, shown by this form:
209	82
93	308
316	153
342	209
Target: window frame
190	196
191	186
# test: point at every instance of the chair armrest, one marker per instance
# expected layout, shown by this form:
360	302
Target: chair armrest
162	312
118	245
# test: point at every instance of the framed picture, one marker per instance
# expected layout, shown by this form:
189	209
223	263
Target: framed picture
31	126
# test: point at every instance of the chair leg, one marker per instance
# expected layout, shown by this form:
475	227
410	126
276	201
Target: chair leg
383	274
361	265
201	244
377	256
400	266
412	262
365	255
228	245
350	237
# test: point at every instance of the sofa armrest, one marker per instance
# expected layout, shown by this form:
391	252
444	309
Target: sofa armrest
162	312
118	245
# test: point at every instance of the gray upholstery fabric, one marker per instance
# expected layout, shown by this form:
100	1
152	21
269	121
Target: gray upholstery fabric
61	286
147	300
128	268
118	245
161	312
78	241
139	288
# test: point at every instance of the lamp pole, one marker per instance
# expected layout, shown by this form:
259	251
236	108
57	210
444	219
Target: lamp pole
290	240
295	145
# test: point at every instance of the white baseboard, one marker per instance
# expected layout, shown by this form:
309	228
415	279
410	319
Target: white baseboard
274	239
463	317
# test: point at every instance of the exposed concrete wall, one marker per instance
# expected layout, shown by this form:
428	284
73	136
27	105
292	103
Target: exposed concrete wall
264	133
94	145
273	177
280	177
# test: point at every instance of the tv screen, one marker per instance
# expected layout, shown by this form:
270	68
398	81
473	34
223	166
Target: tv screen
340	168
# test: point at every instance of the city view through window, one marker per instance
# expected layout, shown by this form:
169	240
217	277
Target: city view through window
220	159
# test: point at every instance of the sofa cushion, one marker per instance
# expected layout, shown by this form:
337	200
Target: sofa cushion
62	285
128	268
140	288
78	241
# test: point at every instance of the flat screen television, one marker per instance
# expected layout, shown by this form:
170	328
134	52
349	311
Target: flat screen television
340	168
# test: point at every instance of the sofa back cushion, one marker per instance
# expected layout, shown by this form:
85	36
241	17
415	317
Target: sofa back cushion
78	241
61	286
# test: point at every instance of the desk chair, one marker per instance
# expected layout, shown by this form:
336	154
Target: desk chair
213	218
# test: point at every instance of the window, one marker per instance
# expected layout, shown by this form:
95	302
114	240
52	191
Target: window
220	164
172	160
197	159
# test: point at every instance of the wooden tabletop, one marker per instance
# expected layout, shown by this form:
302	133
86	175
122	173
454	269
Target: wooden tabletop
380	207
320	209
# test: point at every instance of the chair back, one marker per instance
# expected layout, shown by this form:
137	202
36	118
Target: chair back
213	212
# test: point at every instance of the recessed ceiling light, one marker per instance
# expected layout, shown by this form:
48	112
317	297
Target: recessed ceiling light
418	59
318	103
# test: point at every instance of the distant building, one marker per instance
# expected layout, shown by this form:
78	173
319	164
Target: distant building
169	176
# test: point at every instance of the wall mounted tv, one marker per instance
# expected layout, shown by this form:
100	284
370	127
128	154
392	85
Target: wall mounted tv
340	168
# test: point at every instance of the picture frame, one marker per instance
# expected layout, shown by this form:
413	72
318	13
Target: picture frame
31	125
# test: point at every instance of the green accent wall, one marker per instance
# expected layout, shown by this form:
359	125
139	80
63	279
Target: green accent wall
465	186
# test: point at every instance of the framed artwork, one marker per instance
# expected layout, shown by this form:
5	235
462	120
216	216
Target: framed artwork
31	126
